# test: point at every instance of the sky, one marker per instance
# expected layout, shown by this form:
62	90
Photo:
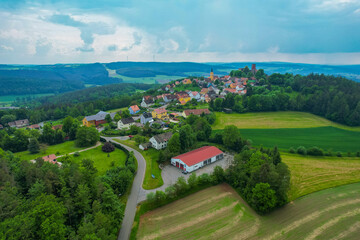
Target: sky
79	31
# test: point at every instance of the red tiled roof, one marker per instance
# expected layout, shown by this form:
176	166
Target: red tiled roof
230	90
57	127
199	155
160	110
135	108
50	158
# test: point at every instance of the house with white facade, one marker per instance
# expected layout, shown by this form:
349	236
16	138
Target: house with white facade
125	123
193	160
160	141
146	117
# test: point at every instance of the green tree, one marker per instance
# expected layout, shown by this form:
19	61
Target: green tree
7	118
108	118
33	146
125	113
263	198
67	124
117	117
87	136
232	139
174	145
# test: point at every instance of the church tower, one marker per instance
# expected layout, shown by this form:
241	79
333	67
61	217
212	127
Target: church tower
212	75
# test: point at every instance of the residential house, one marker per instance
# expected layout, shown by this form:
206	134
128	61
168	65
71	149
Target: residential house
214	89
227	84
230	90
34	126
160	123
159	113
97	119
19	123
195	95
177	82
145	117
145	146
207	98
160	141
169	98
186	81
197	112
125	123
183	97
191	161
51	159
134	109
147	101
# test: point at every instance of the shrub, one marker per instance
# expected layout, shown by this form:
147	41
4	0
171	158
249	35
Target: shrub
76	154
108	147
315	151
301	150
338	154
358	154
291	150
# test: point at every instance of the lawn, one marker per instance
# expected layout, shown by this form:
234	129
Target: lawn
220	213
187	87
152	167
59	149
101	160
271	120
148	80
310	174
117	110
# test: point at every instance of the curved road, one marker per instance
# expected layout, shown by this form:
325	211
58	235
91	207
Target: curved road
132	201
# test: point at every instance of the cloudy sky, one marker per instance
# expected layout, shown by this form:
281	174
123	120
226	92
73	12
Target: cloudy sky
72	31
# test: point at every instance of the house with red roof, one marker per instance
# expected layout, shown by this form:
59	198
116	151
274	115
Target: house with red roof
134	109
52	158
193	160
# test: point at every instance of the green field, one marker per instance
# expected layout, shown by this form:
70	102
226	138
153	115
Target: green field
324	137
271	120
310	174
61	149
152	167
187	87
9	99
219	213
148	80
101	160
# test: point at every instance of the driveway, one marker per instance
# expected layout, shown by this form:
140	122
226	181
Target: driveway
170	174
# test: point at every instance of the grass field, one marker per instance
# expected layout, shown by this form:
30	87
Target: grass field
7	100
152	167
219	213
148	80
62	148
187	87
310	174
117	110
324	137
101	160
271	120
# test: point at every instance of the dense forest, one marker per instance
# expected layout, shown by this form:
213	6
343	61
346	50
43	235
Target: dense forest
78	103
334	98
43	201
51	78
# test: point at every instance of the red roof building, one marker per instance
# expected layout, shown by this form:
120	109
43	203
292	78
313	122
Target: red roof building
50	158
197	158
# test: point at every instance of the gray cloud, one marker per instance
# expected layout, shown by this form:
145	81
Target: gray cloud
137	42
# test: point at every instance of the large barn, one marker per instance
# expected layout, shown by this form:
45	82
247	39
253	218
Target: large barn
197	158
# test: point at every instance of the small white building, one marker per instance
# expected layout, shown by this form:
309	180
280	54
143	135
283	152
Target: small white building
160	141
146	117
125	123
197	158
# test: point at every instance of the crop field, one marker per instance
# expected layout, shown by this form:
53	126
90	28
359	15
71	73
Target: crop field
271	120
310	174
220	213
327	138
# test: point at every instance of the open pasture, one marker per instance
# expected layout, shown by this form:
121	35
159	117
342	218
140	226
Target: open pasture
220	213
271	120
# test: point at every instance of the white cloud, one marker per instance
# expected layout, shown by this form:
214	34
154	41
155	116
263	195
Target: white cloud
7	48
273	49
357	11
331	5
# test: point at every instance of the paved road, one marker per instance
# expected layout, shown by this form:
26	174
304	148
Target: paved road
132	201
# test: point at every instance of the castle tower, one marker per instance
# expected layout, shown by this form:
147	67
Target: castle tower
212	75
253	69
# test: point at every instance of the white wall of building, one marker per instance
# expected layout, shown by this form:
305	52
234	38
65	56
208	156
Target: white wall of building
198	165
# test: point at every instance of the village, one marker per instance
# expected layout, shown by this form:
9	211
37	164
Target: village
175	102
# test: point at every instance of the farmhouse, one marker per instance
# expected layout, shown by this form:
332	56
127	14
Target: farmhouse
160	141
125	123
97	119
145	117
197	158
134	109
19	123
197	112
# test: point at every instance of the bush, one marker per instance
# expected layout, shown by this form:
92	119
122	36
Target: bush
315	151
358	154
338	154
301	150
291	150
108	147
76	154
